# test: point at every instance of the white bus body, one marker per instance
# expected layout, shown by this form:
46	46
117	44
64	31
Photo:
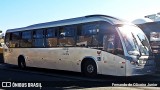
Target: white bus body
95	44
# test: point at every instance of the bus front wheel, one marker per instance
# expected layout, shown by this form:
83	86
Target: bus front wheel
89	68
21	62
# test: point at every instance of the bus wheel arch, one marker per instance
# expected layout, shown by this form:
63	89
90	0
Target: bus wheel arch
89	67
21	62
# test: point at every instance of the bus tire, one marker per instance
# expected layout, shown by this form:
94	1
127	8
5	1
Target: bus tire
89	68
21	62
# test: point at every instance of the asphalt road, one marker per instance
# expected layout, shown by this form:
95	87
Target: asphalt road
56	79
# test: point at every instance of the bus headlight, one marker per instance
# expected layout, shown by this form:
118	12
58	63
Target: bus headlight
132	60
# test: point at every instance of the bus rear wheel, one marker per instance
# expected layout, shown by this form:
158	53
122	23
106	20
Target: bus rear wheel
21	62
89	68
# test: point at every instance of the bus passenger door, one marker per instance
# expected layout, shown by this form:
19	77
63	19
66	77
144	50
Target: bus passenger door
120	64
114	57
108	66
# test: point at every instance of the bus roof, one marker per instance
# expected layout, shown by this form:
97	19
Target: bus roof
89	18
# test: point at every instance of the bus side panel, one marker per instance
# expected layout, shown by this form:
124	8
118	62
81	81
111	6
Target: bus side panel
10	56
108	64
65	59
120	65
53	58
76	55
42	57
113	64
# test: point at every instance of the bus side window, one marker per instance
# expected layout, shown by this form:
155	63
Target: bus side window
14	39
67	35
118	46
38	38
87	35
26	40
112	44
109	43
105	29
51	37
7	39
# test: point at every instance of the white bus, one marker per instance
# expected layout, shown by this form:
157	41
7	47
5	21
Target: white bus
94	44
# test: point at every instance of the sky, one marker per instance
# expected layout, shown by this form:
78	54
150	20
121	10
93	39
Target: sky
21	13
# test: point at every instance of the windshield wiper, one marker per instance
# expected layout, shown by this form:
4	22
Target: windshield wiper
135	41
142	43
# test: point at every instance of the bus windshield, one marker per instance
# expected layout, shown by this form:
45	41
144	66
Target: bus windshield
135	40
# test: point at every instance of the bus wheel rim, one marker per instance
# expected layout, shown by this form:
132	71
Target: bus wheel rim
90	68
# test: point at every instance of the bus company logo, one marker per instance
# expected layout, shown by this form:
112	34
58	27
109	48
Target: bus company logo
6	84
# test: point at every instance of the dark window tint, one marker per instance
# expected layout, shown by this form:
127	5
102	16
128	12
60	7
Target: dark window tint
89	29
94	40
26	40
7	39
93	34
14	39
105	29
67	36
84	41
51	42
112	44
109	43
67	41
67	31
38	43
118	46
87	34
15	36
38	34
51	37
26	35
79	30
51	32
38	38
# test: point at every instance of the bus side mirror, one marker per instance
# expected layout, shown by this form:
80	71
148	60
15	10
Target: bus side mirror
136	53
